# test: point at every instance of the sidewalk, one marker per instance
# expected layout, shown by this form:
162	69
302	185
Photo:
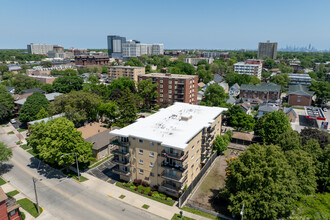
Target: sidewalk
45	215
135	200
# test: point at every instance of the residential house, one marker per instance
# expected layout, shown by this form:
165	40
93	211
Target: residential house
11	90
290	112
9	209
234	90
266	108
218	78
299	95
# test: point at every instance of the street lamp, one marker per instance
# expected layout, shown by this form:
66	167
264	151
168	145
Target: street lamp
76	163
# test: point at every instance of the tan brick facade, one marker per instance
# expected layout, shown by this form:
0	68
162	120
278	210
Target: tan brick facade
131	72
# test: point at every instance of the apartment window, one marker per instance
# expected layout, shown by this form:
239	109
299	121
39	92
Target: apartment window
298	100
192	166
133	138
152	143
140	151
196	168
151	154
192	157
151	174
141	171
197	151
197	160
12	212
141	141
193	147
141	161
151	164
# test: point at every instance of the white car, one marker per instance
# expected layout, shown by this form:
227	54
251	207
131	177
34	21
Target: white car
13	121
325	109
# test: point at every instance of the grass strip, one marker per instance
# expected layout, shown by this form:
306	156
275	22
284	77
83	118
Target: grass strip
122	196
30	207
198	212
12	193
25	146
177	217
2	181
145	206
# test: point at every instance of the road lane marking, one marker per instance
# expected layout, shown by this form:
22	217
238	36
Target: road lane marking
64	194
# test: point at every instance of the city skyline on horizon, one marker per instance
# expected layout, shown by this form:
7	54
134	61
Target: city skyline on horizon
178	25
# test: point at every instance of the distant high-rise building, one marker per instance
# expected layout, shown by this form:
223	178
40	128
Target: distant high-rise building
115	48
40	48
267	49
131	48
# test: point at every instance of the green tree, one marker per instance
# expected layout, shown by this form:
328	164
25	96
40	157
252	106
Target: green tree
47	88
5	153
57	140
133	61
281	79
215	96
285	69
269	63
147	91
127	108
93	79
6	103
109	109
148	68
262	179
22	82
272	125
322	91
117	86
3	68
104	69
221	142
289	140
238	119
67	84
312	133
78	106
232	78
42	114
32	106
46	64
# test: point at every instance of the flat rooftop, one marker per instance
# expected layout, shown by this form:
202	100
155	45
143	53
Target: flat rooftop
168	75
127	67
174	126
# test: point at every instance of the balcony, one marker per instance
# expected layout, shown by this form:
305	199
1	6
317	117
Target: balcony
174	166
120	151
120	143
121	172
122	162
175	156
169	187
174	178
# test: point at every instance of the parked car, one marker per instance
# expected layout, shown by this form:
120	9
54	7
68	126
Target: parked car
13	121
325	109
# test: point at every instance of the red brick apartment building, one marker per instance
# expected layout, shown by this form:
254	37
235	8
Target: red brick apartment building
86	60
9	209
264	91
174	87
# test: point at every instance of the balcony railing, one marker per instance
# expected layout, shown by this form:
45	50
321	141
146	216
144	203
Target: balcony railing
120	143
174	166
121	152
175	156
123	162
170	187
173	177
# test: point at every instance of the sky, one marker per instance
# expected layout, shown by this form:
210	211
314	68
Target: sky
179	24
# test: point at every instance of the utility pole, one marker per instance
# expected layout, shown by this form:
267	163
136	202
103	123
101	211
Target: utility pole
77	167
242	212
35	192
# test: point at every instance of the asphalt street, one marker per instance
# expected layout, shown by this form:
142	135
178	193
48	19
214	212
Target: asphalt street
63	197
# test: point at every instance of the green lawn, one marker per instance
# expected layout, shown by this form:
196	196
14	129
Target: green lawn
122	196
170	203
18	142
12	193
74	175
29	206
177	217
25	147
10	132
22	215
32	152
99	162
198	212
2	182
21	129
145	206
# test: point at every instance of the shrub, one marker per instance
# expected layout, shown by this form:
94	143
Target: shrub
126	184
154	188
132	184
145	184
150	193
142	192
133	187
147	189
136	189
137	182
169	199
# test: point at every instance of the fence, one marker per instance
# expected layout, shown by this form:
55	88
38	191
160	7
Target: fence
191	187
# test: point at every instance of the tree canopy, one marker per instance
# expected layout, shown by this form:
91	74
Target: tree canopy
57	140
215	96
78	106
321	90
237	118
281	79
21	82
127	108
5	153
67	84
6	103
271	125
232	78
262	179
33	104
147	91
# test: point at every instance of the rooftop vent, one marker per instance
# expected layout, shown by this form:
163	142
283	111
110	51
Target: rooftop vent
186	117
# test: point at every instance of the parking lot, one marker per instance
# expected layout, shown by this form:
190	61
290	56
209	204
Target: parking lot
104	172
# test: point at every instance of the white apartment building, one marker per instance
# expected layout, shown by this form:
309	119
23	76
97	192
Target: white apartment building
157	49
39	48
249	69
134	48
194	61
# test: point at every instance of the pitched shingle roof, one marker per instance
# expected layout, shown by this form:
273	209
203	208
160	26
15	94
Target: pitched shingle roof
263	87
299	90
217	78
235	86
101	139
288	110
267	108
32	90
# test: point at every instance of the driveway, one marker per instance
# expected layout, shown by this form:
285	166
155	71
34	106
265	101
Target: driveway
104	172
